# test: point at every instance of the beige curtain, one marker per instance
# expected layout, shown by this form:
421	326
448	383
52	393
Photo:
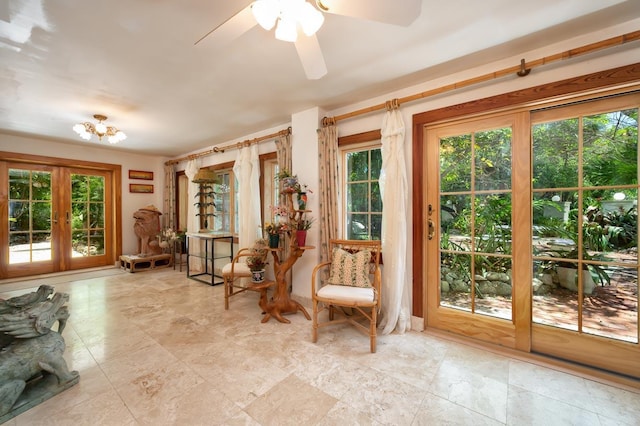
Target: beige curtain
396	288
329	193
246	170
169	207
283	150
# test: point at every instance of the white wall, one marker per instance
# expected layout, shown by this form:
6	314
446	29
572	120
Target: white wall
92	151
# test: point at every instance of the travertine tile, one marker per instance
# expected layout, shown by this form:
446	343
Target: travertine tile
291	402
157	348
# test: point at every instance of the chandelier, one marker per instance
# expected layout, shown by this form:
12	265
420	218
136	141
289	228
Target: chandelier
86	129
288	14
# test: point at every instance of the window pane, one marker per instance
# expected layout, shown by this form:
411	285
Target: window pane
358	197
376	163
455	163
41	216
18	216
493	159
555	163
19	184
41	186
357	166
611	148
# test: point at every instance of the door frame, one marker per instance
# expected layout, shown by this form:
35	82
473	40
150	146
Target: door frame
616	81
626	78
112	250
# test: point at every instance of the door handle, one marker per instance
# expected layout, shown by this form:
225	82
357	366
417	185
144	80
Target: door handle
68	218
55	218
432	229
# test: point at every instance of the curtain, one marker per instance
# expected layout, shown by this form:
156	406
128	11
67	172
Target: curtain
329	187
283	150
247	172
169	208
193	224
396	288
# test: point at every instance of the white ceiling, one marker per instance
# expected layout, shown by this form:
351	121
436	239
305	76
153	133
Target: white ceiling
61	61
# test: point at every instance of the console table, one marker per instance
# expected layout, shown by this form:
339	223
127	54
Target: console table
201	247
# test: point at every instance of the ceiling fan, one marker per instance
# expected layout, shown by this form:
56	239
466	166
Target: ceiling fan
298	20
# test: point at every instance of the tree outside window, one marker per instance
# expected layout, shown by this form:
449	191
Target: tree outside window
363	202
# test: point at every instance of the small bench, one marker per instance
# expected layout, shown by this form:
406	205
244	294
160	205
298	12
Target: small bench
134	263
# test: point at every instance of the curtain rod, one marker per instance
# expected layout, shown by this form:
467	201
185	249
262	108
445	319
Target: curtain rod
521	70
216	149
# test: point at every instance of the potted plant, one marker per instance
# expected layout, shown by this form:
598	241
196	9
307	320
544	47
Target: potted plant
288	181
258	260
206	203
301	226
273	230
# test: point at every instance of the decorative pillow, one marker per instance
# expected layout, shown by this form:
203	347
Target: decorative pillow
350	269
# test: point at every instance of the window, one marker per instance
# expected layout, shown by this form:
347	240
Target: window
271	194
226	202
362	198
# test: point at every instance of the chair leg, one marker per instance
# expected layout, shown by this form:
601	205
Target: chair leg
226	293
372	329
314	327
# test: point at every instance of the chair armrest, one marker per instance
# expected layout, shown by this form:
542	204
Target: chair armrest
314	274
243	252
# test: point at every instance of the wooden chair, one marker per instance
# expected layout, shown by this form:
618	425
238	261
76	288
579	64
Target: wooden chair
236	273
233	273
352	289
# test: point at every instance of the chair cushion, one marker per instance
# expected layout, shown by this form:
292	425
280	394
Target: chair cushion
347	293
350	269
240	268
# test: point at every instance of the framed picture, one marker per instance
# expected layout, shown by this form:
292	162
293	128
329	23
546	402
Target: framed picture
140	174
141	188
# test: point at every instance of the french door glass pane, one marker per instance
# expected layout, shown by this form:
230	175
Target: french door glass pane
475	222
87	217
30	216
593	229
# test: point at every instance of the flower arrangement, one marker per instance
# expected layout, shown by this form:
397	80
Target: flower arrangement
258	258
281	211
256	263
168	236
273	228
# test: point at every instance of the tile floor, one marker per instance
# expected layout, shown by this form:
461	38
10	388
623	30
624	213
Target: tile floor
157	348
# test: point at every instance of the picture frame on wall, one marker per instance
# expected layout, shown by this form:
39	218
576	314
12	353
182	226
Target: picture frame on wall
141	188
140	174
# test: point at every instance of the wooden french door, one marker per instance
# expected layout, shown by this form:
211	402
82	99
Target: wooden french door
585	218
57	218
517	204
475	286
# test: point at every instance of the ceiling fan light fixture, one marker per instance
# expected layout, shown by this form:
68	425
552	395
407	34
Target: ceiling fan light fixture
266	13
311	19
287	30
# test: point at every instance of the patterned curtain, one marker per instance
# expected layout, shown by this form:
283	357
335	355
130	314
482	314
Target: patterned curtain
329	193
169	208
396	288
283	150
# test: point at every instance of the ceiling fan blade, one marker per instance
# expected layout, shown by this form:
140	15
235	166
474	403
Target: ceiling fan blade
232	28
311	56
402	12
